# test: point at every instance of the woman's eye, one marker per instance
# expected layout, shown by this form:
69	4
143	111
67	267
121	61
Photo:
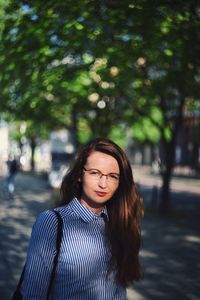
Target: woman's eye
112	176
94	172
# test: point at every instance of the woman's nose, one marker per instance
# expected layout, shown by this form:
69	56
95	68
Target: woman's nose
103	181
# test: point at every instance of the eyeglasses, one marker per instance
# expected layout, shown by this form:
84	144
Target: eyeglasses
96	174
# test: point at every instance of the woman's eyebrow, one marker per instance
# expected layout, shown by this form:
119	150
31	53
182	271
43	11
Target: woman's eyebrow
102	172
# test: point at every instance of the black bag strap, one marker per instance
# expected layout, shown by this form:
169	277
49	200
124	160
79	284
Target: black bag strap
17	295
55	260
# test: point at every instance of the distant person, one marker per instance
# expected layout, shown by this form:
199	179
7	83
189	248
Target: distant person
13	168
101	213
156	165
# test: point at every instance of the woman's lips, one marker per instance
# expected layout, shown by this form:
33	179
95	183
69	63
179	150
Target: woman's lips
101	194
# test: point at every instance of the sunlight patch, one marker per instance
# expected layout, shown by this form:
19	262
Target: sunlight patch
192	238
132	294
145	253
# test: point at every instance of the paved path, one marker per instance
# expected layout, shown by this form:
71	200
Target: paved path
170	252
16	218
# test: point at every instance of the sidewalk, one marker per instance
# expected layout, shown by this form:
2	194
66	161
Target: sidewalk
16	218
170	251
185	191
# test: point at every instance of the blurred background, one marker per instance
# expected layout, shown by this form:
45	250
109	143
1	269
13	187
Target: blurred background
126	70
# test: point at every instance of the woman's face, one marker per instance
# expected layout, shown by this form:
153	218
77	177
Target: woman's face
100	180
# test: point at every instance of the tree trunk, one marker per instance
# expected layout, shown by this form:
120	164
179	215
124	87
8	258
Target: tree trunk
33	146
167	169
165	200
169	161
74	128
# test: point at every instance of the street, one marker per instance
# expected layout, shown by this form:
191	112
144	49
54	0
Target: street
170	248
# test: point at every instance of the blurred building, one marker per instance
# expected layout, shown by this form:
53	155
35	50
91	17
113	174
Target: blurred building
4	140
62	150
4	146
187	152
61	146
188	141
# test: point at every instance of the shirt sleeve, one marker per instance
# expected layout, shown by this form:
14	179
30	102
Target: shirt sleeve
39	262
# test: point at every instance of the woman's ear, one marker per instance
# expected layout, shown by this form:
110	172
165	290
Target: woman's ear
79	179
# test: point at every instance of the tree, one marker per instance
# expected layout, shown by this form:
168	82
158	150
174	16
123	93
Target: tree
170	66
103	67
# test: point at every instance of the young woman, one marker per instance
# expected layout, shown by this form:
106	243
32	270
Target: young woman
101	214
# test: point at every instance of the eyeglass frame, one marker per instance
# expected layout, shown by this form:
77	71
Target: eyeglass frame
100	175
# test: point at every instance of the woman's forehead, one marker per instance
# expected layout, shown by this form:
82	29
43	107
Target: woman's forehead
99	160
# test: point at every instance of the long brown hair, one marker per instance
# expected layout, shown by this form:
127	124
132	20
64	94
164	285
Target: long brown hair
124	209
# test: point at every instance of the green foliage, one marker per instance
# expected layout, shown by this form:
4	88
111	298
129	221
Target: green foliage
93	66
117	134
3	5
20	131
145	131
84	131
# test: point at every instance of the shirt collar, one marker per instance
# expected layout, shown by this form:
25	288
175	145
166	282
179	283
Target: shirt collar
86	214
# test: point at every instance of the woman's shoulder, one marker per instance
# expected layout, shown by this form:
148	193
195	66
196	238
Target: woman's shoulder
65	211
46	218
49	214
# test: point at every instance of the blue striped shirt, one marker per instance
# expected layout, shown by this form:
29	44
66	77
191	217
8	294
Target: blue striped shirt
81	272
